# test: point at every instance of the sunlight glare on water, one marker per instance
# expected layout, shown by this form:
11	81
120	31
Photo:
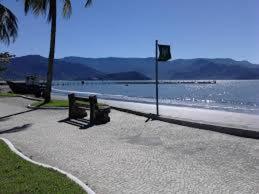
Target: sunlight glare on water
237	96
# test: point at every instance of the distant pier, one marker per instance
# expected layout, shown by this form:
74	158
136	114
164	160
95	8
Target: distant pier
133	82
84	82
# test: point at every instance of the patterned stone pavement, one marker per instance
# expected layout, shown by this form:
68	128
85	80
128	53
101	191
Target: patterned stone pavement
129	155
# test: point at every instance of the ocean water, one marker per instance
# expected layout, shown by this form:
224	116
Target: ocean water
229	95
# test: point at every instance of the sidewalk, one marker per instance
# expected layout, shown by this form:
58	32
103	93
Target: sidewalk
129	155
215	117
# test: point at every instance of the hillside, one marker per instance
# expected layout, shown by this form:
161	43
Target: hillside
76	68
63	70
200	68
127	76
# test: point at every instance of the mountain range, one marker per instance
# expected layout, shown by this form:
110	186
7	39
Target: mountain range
192	69
111	68
63	70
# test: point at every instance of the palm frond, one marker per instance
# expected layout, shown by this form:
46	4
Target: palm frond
38	7
27	5
88	3
45	7
67	9
8	25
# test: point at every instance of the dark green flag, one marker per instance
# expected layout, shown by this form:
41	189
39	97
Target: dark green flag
164	52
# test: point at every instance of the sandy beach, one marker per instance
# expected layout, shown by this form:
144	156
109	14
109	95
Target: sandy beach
129	155
217	117
214	117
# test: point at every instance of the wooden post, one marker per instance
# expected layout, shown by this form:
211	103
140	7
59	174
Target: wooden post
156	67
92	101
71	100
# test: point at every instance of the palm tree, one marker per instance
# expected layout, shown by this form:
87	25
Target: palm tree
5	58
8	25
49	7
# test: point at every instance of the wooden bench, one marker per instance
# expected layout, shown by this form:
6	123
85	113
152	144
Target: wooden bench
79	105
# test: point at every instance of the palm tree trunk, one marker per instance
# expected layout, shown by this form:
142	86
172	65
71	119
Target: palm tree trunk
53	11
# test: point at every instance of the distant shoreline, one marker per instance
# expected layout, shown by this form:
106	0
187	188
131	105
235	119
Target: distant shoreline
218	116
3	82
61	95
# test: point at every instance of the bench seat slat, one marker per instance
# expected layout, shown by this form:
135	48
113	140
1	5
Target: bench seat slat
82	99
83	107
81	104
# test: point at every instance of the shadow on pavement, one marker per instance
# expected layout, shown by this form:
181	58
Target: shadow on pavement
7	116
4	119
16	129
81	123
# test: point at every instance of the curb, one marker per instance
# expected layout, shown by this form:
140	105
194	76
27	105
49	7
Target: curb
47	108
200	125
23	96
29	97
70	176
9	96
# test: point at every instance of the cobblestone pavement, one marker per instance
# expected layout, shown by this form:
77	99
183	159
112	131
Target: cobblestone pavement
129	155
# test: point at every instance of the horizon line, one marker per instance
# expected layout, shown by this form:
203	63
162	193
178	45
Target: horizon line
59	58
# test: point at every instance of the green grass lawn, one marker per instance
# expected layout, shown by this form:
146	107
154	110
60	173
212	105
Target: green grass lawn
20	176
7	94
56	103
52	103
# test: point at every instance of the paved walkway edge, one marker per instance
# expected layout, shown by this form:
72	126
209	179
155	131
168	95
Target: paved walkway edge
29	97
47	108
200	125
70	176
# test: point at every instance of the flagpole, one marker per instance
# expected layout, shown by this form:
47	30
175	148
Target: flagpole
157	110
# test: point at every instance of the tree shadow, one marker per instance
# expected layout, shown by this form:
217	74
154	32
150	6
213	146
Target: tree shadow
16	129
4	119
81	123
7	116
26	111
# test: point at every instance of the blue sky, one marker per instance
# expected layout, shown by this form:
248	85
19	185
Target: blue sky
129	28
